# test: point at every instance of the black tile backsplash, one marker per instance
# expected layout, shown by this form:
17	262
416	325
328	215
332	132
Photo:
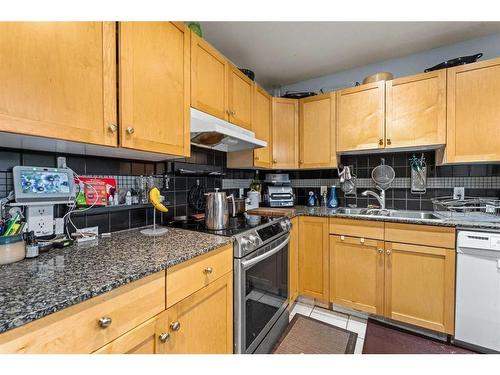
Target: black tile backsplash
400	198
176	195
179	186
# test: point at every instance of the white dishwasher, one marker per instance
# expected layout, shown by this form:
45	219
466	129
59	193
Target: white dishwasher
477	314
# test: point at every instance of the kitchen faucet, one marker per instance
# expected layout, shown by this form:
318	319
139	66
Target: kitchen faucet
380	198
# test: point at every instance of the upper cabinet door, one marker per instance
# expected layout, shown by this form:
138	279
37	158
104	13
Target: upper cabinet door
285	133
209	79
262	126
473	112
58	80
416	110
361	117
241	92
317	132
154	87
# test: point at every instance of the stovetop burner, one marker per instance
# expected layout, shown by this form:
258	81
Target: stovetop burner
236	225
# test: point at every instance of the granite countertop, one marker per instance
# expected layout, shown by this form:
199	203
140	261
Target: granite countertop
33	288
457	221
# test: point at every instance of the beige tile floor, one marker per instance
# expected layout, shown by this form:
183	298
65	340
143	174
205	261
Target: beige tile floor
336	318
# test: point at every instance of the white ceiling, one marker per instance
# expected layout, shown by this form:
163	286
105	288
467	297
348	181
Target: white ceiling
281	53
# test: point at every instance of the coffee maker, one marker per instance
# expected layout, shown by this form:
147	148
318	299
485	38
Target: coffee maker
278	190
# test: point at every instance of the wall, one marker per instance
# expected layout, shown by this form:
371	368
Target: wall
403	66
125	172
479	180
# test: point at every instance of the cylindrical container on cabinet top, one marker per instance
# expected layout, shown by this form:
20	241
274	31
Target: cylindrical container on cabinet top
12	249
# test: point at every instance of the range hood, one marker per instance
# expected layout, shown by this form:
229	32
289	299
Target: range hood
211	132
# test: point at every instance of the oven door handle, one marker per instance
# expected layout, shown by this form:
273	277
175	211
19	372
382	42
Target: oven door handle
249	263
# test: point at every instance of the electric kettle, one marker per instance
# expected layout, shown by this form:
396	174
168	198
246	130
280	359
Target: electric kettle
217	210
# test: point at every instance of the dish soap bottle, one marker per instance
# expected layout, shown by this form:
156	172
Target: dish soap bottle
332	198
311	200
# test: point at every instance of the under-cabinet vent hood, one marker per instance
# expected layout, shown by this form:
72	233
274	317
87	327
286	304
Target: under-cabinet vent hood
211	132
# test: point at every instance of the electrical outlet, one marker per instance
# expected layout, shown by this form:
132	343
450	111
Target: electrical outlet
323	190
459	193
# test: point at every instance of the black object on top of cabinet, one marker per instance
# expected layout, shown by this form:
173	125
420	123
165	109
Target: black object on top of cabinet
455	62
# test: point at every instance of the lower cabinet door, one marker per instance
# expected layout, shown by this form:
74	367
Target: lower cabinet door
293	255
420	285
140	340
357	273
201	323
313	257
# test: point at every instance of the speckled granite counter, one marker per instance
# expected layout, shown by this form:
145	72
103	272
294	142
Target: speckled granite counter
33	288
332	212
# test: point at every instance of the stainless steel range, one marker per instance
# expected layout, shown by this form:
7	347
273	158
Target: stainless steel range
260	279
261	286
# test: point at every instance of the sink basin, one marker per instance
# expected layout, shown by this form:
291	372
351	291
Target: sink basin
352	211
389	213
414	215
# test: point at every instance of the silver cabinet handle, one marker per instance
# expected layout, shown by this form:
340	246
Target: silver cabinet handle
380	251
175	326
130	130
164	337
388	252
113	128
105	322
208	270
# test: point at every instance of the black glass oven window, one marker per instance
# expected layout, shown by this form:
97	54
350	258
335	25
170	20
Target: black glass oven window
266	286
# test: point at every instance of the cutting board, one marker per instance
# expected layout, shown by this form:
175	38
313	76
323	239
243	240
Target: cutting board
273	212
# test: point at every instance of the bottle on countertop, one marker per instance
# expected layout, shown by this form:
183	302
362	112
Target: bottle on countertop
128	198
311	200
332	198
31	245
255	185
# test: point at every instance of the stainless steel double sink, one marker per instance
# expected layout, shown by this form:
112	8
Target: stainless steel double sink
371	212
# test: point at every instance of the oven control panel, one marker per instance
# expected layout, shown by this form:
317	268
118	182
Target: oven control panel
257	237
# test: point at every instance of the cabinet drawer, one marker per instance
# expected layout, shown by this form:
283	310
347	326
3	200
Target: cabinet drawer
186	278
357	228
77	329
140	340
427	235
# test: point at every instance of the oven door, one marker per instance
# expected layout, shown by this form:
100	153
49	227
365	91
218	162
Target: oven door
261	293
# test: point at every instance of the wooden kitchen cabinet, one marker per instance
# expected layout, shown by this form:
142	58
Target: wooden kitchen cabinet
79	328
209	78
317	132
357	273
201	323
285	133
140	340
416	110
473	112
361	117
293	264
314	257
155	87
59	80
241	95
262	127
420	285
188	277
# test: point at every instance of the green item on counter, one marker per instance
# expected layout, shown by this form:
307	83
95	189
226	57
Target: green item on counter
195	27
10	225
80	196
